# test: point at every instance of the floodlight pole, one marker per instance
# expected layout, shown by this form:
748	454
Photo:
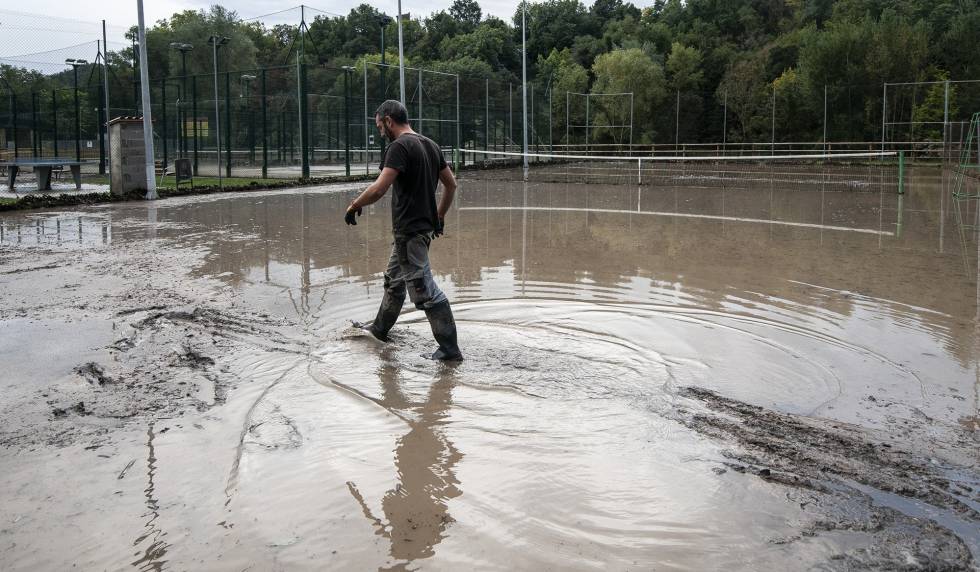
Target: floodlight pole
78	116
105	89
151	182
524	78
182	117
401	56
216	42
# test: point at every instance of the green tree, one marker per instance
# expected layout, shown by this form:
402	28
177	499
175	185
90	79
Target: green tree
554	24
466	12
746	92
564	75
630	71
684	68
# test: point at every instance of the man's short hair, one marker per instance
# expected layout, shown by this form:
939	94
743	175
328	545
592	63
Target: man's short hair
393	109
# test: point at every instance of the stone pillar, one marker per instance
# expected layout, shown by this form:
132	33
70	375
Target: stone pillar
128	157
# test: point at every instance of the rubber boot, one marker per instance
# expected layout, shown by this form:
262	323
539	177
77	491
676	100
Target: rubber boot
444	330
391	307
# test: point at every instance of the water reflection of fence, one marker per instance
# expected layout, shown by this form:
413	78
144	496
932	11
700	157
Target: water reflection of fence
63	230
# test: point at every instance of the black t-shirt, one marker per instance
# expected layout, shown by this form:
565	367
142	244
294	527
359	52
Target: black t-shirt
418	161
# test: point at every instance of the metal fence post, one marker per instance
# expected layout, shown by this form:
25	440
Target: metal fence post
946	123
884	109
459	148
34	138
486	126
588	120
677	121
772	145
824	118
304	136
347	121
724	127
196	122
163	119
103	114
265	129
367	156
227	126
420	100
54	118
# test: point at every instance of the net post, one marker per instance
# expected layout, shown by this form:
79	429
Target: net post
639	171
901	172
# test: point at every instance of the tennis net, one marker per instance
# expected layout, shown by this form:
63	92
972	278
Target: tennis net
869	172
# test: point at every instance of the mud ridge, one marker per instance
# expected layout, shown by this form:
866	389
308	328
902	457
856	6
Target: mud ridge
819	457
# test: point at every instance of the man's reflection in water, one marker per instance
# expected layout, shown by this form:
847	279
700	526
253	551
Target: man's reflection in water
416	512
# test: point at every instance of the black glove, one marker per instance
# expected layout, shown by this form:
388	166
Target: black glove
349	217
440	228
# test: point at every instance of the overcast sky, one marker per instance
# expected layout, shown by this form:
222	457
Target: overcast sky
123	12
41	34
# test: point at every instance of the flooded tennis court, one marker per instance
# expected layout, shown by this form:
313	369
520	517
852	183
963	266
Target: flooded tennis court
782	375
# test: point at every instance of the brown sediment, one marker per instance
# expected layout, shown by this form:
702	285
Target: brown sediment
640	390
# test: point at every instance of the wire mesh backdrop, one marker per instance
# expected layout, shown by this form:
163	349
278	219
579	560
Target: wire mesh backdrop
293	116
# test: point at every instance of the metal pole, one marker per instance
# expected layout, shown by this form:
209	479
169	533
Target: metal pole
459	148
151	183
419	126
824	118
772	147
182	117
486	126
300	108
304	133
945	121
102	120
105	95
884	109
631	124
551	131
677	121
78	122
347	120
217	112
135	81
566	120
401	55
524	79
34	138
194	113
367	159
588	120
510	115
163	120
724	126
384	68
227	124
54	118
265	129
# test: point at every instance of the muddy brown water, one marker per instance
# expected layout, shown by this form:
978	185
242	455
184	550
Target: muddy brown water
655	378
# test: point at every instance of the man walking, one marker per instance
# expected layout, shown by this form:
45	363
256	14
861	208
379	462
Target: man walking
414	165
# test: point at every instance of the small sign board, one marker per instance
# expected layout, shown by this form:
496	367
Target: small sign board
183	172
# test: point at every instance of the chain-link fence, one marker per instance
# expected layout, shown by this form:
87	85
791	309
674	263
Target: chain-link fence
300	118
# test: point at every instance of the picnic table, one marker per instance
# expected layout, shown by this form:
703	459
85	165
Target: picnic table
42	168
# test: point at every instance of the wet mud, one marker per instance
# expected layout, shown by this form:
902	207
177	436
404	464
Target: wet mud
683	378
